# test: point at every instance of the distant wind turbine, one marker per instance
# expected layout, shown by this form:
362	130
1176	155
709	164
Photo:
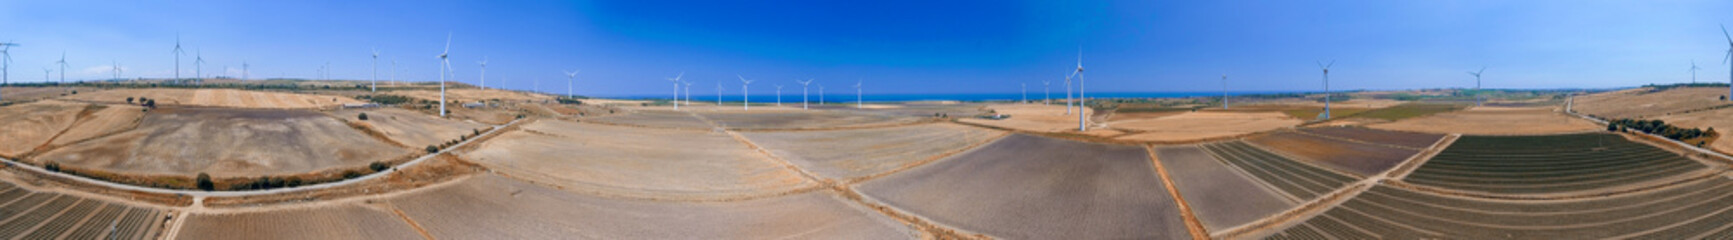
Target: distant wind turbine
374	86
1725	61
1046	97
676	81
1694	71
688	92
178	53
719	93
803	92
1025	92
1082	117
778	95
62	64
570	76
745	95
444	66
1224	91
1326	68
483	63
857	94
6	62
821	94
199	66
1477	97
46	72
244	72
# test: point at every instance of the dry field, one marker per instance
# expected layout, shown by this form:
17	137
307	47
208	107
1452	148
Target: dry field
410	128
1581	164
1364	159
1494	121
103	119
635	162
346	221
1221	197
26	214
11	93
1717	119
655	118
228	142
33	124
800	119
491	207
1026	187
1404	139
470	95
229	98
845	154
1640	103
1038	118
1201	125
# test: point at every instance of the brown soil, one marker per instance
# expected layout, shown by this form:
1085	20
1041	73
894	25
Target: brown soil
1363	159
1193	126
1038	118
32	124
1642	103
847	154
228	142
440	169
1494	121
1221	197
349	221
231	98
410	128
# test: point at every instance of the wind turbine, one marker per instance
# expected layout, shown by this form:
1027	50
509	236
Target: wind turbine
1025	92
5	62
393	71
244	66
47	72
1326	68
719	93
178	53
688	91
1477	97
199	65
1081	116
676	81
1224	91
444	64
1068	90
62	64
821	94
374	85
745	95
779	95
116	69
570	76
803	92
1694	71
1729	57
483	63
857	96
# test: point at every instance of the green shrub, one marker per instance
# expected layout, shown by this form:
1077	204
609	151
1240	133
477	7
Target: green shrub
351	174
204	182
432	149
363	117
52	167
378	166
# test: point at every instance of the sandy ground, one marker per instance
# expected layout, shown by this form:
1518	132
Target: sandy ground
489	207
469	95
799	119
1640	103
863	152
30	125
228	142
107	119
1038	118
635	162
1203	125
347	221
410	128
218	98
1494	121
655	118
1220	197
1717	119
1364	159
1026	187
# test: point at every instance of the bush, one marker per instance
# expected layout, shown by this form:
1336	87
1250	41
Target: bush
292	181
204	182
351	174
128	100
378	166
52	167
363	117
432	149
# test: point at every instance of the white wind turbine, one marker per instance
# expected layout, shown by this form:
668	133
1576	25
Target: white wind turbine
444	65
1025	92
1326	68
803	92
1224	91
62	64
676	80
244	66
1046	97
46	72
1725	61
393	71
1694	71
199	66
688	91
6	62
1477	97
178	53
745	95
374	86
1081	116
857	94
1068	91
821	94
778	95
483	63
718	93
115	68
571	76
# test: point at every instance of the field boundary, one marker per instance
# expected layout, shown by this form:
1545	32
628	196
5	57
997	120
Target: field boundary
1358	141
1649	186
1195	226
907	166
1305	160
1294	215
1237	169
1419	159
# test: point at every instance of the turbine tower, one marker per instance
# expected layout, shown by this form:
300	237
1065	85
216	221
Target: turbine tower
803	92
676	81
821	94
1725	60
745	95
444	65
1326	68
483	63
688	92
244	66
115	68
1694	71
1046	97
1224	91
374	85
6	62
857	94
1477	97
1025	92
779	95
1081	116
178	53
718	93
62	64
46	72
570	76
199	66
394	70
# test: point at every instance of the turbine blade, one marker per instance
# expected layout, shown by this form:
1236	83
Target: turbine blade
447	44
1724	34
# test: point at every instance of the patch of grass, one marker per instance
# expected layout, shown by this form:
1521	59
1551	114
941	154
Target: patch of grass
1408	110
1312	113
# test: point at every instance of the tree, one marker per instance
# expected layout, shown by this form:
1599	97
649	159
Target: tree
363	117
204	181
150	104
378	166
432	149
52	167
1612	127
128	100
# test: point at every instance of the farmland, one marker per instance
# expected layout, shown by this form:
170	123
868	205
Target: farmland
655	118
1493	121
228	142
1550	164
865	152
1192	126
1650	102
28	214
798	119
1298	180
411	129
335	222
1356	157
1219	195
1402	139
228	98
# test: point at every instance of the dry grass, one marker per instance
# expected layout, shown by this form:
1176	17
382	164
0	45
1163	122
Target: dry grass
1494	121
230	98
1200	125
1642	103
1038	118
33	124
228	143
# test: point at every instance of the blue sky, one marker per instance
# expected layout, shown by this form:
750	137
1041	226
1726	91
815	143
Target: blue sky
896	46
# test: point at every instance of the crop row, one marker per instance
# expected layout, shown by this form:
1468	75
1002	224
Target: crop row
1548	164
1297	179
1685	211
26	214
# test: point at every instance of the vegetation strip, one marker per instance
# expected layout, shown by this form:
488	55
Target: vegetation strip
1191	221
